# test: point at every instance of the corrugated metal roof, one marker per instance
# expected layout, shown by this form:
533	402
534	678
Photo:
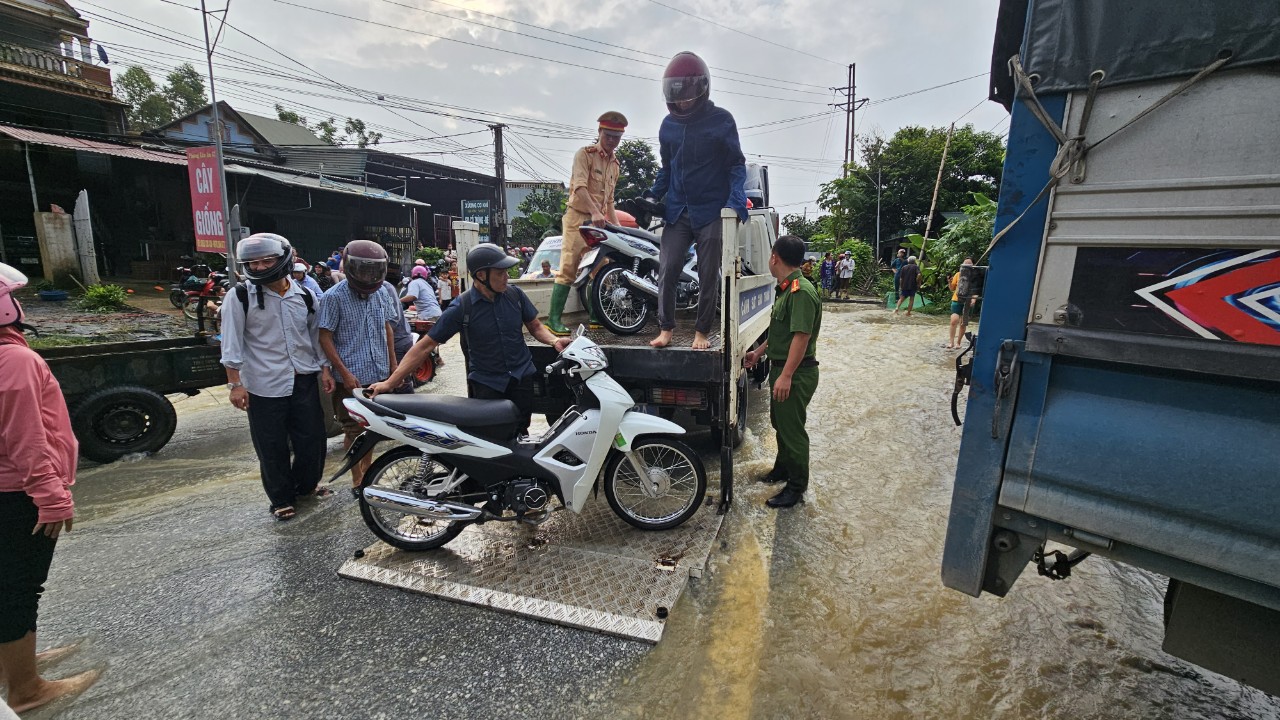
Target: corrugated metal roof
326	160
67	142
134	152
278	132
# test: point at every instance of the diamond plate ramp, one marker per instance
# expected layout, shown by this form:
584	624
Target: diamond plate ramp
590	571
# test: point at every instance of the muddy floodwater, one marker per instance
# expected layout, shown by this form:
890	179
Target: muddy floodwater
835	609
198	605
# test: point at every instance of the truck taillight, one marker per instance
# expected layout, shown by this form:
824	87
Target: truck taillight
592	236
678	396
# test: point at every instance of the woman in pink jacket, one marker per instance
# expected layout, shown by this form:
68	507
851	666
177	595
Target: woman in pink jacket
37	468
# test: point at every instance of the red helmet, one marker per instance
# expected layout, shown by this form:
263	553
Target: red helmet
365	263
686	79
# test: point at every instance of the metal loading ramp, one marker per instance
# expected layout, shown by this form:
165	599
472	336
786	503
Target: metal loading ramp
590	571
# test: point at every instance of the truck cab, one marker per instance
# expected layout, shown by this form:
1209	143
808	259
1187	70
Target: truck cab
1125	396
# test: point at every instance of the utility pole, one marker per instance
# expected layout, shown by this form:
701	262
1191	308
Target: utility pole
879	185
217	134
498	231
933	205
850	106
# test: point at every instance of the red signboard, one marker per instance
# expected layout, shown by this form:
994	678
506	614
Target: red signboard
206	200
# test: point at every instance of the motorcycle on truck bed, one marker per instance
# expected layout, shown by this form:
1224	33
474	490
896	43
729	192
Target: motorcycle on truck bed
1125	391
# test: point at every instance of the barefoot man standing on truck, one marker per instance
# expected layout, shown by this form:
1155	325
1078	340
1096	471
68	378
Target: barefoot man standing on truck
703	170
595	174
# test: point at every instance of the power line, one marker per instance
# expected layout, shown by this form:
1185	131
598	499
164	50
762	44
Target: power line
878	101
518	53
753	37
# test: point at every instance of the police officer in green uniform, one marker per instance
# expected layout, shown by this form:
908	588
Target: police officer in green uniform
793	367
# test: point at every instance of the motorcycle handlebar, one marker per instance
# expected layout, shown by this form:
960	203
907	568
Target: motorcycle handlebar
558	365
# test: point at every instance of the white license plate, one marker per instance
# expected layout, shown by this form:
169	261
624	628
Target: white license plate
589	258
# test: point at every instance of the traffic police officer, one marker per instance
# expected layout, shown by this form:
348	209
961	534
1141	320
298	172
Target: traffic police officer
595	174
793	367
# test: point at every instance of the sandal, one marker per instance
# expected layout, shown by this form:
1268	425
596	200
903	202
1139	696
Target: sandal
284	513
320	492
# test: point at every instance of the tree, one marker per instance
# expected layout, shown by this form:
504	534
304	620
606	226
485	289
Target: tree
906	167
356	132
638	169
801	227
185	90
542	208
148	107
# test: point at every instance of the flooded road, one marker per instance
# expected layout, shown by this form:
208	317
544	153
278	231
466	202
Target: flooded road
200	606
835	609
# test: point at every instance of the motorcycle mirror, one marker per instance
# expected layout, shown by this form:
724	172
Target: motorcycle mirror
582	330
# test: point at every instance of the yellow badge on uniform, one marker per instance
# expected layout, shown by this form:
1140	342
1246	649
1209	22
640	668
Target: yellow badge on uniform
795	285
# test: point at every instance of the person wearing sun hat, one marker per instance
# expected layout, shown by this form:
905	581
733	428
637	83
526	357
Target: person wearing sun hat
595	174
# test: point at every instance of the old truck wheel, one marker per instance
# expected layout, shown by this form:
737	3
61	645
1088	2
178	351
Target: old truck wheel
119	421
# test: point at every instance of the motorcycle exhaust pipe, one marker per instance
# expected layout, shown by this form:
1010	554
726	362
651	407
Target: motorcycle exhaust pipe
408	503
639	284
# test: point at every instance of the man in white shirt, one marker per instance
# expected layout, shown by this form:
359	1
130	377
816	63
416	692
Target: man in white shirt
275	370
844	270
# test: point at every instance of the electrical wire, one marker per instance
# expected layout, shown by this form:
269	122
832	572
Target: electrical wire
740	32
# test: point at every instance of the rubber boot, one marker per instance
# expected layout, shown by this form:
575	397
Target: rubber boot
594	319
559	294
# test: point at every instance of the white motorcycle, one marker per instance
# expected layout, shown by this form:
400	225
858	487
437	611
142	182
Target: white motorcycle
619	270
462	462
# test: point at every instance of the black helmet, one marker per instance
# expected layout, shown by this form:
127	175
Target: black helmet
365	263
686	78
265	245
488	255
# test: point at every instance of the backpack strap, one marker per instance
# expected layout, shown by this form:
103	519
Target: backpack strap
242	293
465	301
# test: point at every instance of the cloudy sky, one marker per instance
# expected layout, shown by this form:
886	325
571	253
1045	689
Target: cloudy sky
549	68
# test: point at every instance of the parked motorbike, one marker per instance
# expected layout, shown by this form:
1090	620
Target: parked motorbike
461	461
186	280
620	270
211	288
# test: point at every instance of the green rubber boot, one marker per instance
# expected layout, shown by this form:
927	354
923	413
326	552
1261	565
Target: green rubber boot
594	321
559	294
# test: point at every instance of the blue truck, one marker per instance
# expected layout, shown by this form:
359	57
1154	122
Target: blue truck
1124	391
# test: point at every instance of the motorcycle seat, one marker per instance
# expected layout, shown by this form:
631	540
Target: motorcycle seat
496	420
460	411
635	232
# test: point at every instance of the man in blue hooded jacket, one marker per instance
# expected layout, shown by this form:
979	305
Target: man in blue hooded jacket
703	170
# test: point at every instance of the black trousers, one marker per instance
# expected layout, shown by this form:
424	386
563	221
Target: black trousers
519	392
24	565
277	424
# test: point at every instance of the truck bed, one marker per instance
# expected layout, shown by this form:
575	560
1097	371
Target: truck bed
631	357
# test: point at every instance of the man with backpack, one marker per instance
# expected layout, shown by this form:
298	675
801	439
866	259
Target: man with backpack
491	318
275	370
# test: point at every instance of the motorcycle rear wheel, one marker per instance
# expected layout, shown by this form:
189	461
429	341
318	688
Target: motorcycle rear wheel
397	469
622	310
176	297
677	484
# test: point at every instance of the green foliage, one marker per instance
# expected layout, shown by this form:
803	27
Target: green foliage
904	169
542	207
430	255
866	271
801	227
967	236
152	105
103	298
638	168
185	90
355	131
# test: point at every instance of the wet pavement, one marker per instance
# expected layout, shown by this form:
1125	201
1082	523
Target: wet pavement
200	606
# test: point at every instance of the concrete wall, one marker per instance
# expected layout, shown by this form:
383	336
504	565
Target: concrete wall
57	244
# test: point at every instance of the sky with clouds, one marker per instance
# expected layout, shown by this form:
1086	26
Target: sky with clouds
430	74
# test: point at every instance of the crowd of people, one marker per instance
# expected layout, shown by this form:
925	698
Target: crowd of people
294	331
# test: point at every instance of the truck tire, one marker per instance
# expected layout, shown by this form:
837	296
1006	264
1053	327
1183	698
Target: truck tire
118	421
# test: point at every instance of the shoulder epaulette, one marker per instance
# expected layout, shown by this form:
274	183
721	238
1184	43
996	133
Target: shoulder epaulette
795	285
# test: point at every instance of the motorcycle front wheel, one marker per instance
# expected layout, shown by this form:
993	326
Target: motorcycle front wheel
622	310
665	492
397	469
